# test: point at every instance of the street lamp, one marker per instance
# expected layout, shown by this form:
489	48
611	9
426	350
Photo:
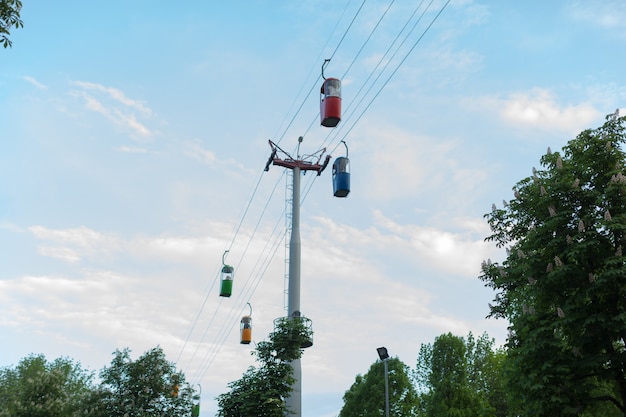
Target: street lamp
384	356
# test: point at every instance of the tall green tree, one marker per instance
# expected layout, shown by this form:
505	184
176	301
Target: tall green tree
486	376
443	379
262	390
39	388
461	377
9	19
562	285
366	396
147	387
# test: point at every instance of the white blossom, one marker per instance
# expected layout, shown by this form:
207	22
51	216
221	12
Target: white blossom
542	190
592	277
581	226
607	216
618	252
557	261
551	210
618	178
550	267
559	163
576	184
560	312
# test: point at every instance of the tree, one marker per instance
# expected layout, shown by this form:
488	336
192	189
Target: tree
486	375
457	377
9	18
147	387
366	398
38	388
562	285
445	389
262	391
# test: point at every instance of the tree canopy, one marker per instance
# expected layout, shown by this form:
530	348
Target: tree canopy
458	377
562	285
262	390
39	388
366	396
9	19
147	387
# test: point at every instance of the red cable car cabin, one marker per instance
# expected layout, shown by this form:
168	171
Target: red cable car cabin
330	102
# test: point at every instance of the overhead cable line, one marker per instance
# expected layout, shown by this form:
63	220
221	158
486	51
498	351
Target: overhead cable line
227	326
195	321
398	66
245	282
311	71
249	290
408	53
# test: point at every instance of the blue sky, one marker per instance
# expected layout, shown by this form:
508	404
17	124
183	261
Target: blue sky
133	137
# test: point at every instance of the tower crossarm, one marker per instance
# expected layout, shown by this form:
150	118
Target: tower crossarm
287	161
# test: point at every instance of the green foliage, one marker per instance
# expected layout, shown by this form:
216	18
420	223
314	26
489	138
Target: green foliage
366	397
38	388
9	18
457	377
147	387
61	388
563	283
262	391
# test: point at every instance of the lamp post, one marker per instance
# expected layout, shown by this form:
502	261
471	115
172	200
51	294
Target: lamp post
384	356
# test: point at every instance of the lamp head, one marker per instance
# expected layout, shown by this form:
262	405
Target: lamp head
382	353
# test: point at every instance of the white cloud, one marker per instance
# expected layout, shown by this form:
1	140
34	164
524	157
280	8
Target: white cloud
65	254
34	82
610	15
459	253
115	94
80	236
539	108
131	149
195	150
116	107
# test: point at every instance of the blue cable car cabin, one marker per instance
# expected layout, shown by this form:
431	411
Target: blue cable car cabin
341	177
226	284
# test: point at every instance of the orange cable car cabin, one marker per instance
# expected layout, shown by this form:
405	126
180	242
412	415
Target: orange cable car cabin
330	102
246	330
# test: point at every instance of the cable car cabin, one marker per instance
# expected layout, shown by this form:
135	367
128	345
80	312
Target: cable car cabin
341	177
330	102
246	330
226	284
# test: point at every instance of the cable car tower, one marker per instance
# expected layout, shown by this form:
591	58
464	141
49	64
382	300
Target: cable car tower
297	165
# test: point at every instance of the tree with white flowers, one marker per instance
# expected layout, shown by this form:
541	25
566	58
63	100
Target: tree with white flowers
562	285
